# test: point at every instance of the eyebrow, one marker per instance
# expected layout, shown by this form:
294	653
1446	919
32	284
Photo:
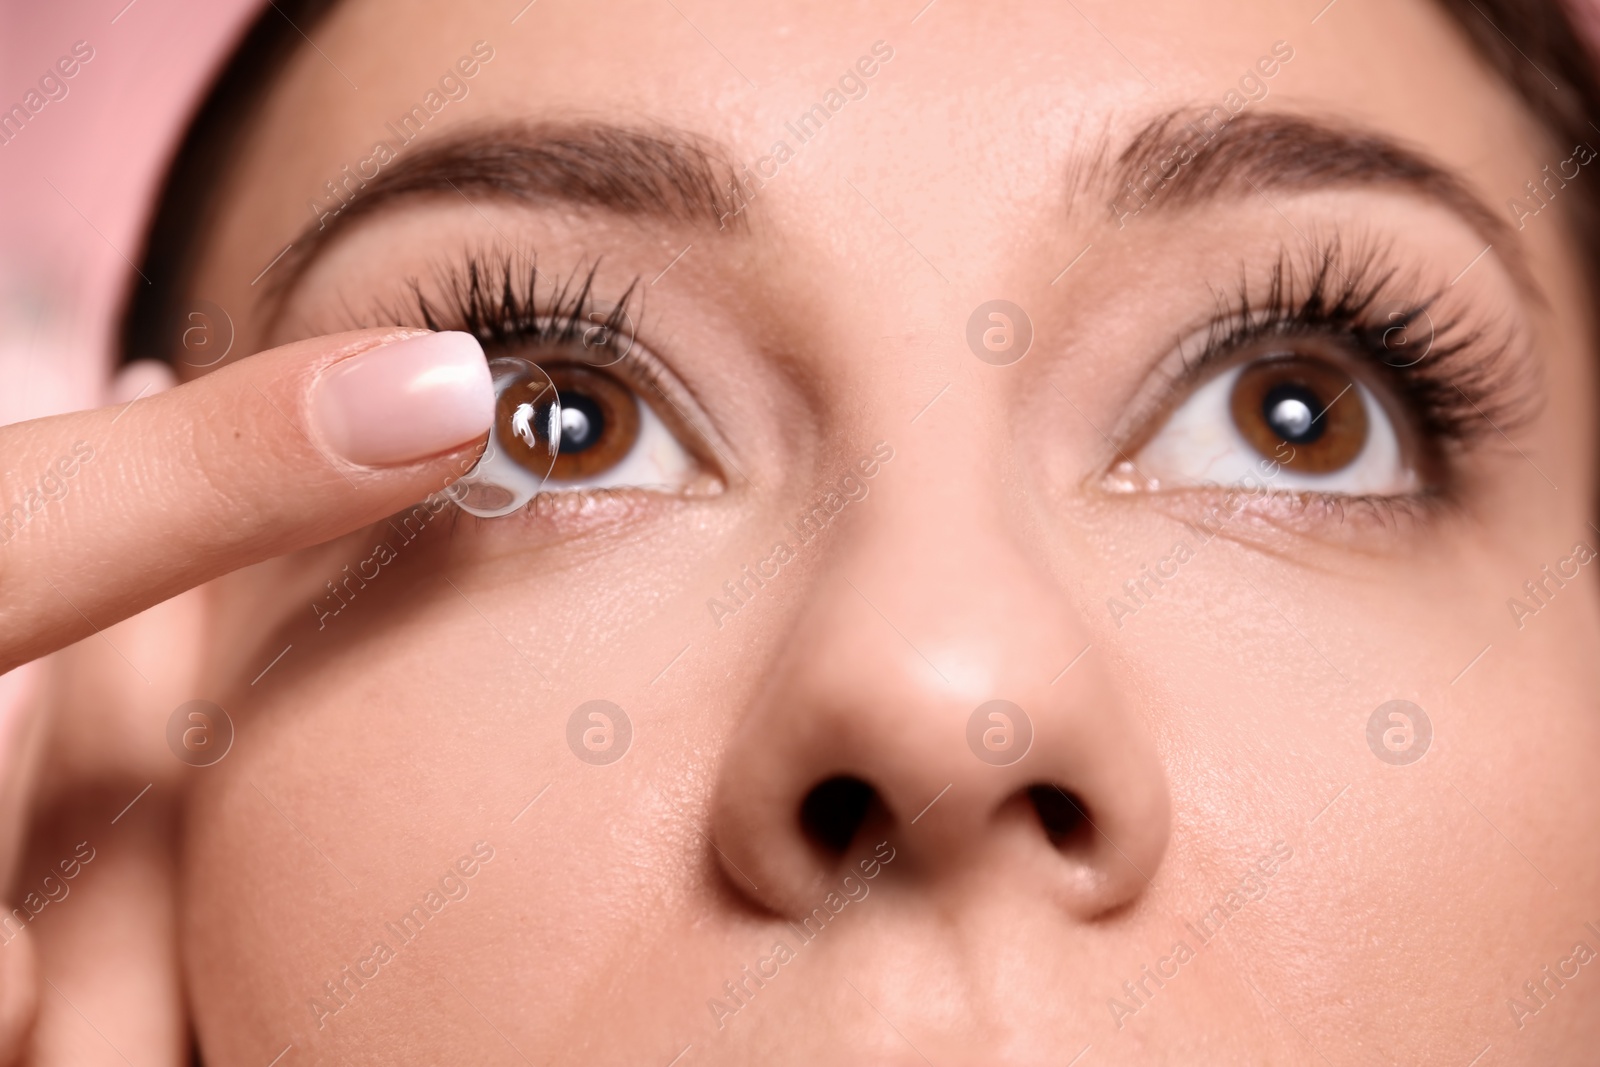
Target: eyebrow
1177	160
658	173
1186	158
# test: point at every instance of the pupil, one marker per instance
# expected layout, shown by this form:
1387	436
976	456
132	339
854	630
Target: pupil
582	423
1292	412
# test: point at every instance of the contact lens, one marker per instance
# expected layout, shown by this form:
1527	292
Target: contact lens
523	442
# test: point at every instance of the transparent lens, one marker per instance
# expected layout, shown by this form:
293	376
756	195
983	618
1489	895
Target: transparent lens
522	445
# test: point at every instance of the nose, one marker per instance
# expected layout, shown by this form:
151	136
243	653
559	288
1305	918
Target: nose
938	689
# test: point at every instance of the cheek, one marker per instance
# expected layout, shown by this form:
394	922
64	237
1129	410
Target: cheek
426	717
1262	697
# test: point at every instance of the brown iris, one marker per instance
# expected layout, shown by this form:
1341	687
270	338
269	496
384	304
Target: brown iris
1304	412
599	419
522	419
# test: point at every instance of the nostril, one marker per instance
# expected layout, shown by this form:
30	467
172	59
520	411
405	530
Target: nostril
1060	813
834	810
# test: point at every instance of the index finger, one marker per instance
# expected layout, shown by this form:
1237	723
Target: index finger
104	513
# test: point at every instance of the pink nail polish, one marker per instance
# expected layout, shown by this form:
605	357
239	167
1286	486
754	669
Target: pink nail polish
405	401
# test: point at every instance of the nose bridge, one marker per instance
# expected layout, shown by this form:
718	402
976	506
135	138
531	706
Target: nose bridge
939	555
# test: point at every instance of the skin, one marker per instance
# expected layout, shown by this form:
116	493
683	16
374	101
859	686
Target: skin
1227	716
228	475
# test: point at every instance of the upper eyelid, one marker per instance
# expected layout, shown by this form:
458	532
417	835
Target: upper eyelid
648	372
1488	362
395	302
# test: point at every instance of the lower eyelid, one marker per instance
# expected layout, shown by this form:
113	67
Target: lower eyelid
1280	523
590	517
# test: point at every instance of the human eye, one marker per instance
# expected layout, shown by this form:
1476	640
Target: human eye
581	403
1337	381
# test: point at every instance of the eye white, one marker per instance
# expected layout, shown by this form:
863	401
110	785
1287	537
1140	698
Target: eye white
1199	445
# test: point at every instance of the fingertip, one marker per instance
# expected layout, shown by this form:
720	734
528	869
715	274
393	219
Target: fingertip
140	378
400	402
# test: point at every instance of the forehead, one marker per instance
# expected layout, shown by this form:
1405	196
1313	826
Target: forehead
960	122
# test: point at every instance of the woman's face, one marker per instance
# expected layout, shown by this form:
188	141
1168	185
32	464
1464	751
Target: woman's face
929	409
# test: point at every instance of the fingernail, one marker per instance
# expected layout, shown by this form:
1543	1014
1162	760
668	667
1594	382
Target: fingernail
142	378
405	401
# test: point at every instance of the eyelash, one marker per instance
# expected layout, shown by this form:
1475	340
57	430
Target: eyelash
511	307
1469	383
489	296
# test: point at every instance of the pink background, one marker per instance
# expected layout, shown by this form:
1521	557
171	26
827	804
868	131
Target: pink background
104	148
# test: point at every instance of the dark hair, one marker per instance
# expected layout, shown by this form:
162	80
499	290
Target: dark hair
1534	47
189	199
